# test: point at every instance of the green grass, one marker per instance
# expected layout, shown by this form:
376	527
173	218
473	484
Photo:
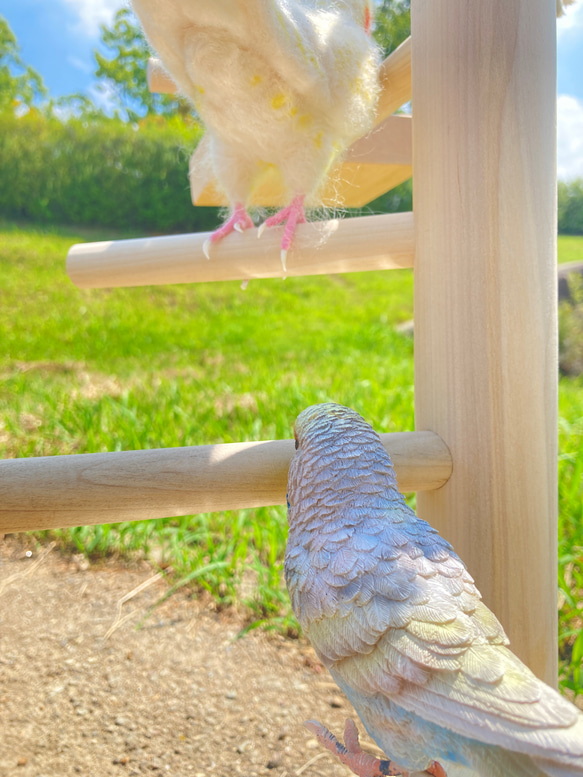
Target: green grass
186	365
570	248
102	370
571	532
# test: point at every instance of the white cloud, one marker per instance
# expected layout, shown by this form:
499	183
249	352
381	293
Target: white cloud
90	14
570	137
572	18
103	96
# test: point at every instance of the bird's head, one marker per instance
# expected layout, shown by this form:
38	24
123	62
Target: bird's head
339	458
328	423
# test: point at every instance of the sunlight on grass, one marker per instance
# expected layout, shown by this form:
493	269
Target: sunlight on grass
570	248
87	371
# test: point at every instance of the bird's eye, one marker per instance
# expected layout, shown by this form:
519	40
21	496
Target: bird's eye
297	444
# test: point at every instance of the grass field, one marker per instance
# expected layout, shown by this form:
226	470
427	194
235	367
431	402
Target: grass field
570	248
186	365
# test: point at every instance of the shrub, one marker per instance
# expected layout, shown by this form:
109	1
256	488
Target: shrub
100	173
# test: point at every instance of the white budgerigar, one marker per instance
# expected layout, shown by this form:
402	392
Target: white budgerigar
394	615
283	83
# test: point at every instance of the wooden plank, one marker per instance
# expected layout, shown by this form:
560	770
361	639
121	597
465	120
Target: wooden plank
158	78
336	246
485	298
390	143
60	491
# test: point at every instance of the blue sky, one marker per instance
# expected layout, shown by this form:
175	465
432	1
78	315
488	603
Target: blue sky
57	37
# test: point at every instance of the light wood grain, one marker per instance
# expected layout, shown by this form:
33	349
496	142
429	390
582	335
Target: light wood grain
485	298
337	246
395	80
80	490
158	78
390	143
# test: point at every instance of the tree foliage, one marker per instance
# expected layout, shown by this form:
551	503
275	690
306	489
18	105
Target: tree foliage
20	85
571	207
100	173
124	72
392	24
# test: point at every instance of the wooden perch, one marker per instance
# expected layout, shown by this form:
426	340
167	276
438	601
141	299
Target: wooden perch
159	81
395	78
337	246
486	298
373	165
80	490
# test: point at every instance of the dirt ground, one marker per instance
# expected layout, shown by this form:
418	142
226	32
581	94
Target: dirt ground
82	691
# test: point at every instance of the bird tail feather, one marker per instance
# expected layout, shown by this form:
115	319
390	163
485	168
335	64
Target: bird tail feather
558	769
568	762
497	762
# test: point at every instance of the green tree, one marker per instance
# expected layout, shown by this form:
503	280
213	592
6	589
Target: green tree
125	71
571	207
392	23
20	85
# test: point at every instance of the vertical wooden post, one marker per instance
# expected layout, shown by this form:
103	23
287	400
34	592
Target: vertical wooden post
485	298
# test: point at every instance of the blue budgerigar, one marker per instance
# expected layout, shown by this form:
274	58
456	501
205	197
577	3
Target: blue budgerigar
394	615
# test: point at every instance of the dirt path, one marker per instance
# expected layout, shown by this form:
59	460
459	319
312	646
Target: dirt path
82	692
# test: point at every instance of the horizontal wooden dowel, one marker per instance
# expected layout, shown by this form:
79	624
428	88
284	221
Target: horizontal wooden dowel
337	246
84	489
395	78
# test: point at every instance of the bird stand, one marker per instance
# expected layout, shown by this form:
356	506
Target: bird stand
482	84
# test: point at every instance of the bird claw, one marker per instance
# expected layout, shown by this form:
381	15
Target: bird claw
351	754
239	221
292	215
436	770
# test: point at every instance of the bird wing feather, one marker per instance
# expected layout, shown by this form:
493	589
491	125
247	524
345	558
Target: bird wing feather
437	651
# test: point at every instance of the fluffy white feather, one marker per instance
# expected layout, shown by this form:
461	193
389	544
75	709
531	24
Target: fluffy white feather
284	83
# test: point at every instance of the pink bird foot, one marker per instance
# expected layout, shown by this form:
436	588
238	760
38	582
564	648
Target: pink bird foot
352	755
292	215
239	221
361	763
